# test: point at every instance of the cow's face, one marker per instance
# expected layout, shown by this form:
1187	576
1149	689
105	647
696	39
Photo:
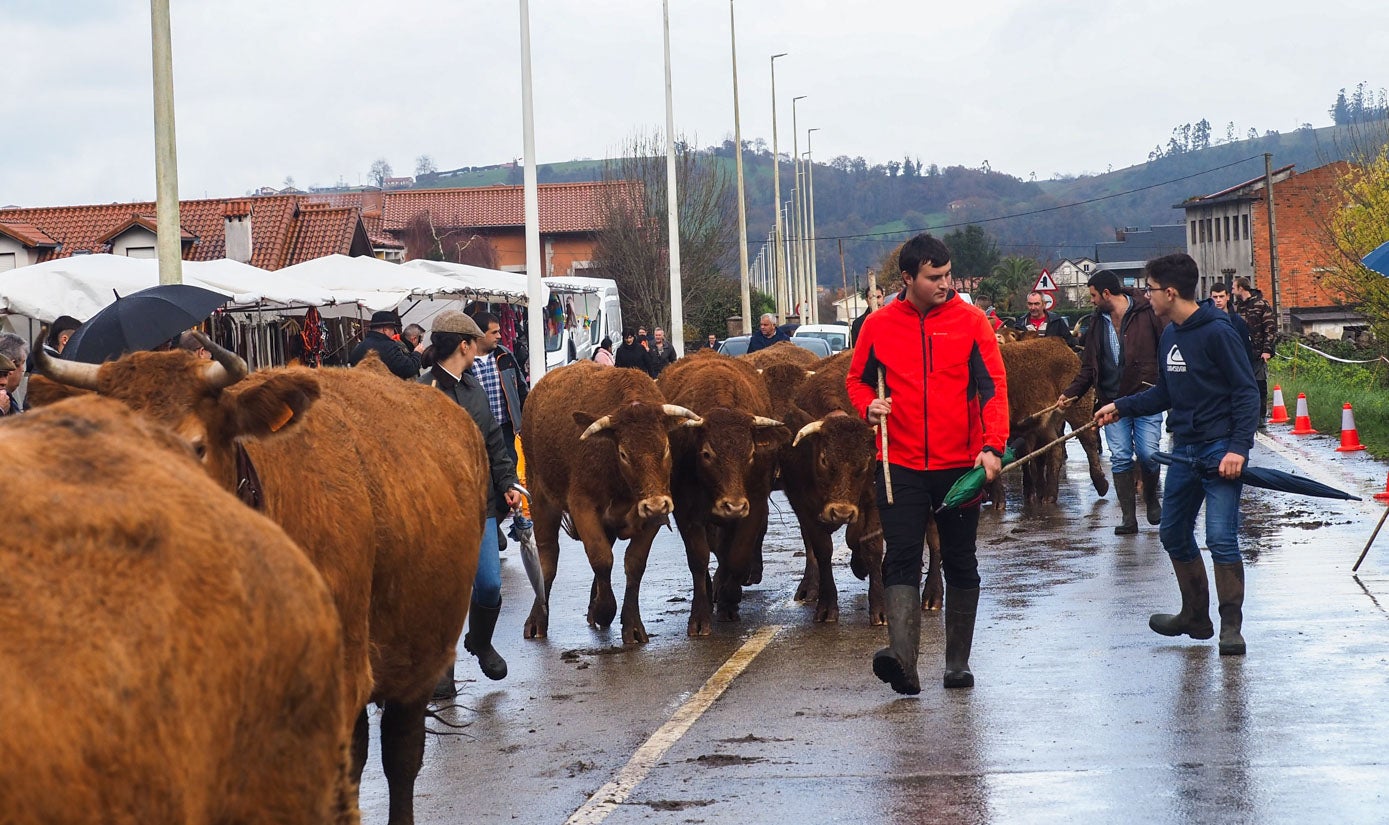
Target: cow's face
205	404
730	447
637	438
842	459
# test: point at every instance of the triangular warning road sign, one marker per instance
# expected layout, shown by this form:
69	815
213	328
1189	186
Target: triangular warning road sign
1044	283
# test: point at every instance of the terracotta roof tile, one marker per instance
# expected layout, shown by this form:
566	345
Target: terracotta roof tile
27	234
379	239
321	230
564	207
149	222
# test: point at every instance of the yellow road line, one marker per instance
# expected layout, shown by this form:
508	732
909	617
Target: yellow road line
606	799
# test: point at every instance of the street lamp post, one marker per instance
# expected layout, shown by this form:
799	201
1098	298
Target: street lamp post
168	239
810	199
798	216
677	308
535	287
780	271
746	289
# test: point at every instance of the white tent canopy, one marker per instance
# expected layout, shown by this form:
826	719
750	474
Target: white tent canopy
375	283
481	284
81	286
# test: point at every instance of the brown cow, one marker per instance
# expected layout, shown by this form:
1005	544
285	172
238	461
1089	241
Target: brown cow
1042	367
398	550
722	477
165	655
597	448
782	352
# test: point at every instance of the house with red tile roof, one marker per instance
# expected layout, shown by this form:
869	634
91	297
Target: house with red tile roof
269	232
486	225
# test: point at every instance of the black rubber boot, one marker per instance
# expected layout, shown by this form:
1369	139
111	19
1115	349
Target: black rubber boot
960	608
478	640
446	689
1124	491
1229	590
1152	498
896	663
1194	619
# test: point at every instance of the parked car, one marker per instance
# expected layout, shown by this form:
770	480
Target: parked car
738	345
836	335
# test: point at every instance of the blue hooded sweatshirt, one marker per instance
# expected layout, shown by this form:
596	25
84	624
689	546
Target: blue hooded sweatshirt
1206	382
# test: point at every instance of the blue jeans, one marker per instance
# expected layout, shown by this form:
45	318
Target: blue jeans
1129	435
1186	487
487	584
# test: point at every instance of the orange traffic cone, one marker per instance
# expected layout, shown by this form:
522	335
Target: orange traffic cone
1303	424
1280	410
1384	496
1350	439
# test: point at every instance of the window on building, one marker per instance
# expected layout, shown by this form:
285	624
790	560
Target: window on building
1246	227
139	252
1085	267
8	261
1216	229
1210	229
1227	227
1193	231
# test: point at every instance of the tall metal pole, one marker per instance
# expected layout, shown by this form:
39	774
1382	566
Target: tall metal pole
810	200
677	304
780	271
746	290
798	216
535	287
1272	238
169	241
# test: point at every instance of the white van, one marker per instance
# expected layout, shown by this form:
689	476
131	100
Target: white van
589	310
836	335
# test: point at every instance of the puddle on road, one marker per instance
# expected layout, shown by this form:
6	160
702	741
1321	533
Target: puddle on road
720	760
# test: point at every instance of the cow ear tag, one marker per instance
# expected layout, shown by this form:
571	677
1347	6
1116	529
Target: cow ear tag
284	419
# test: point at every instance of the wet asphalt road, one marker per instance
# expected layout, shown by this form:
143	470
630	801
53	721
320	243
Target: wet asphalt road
1079	714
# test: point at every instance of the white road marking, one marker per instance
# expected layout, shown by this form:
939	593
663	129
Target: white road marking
1314	467
606	799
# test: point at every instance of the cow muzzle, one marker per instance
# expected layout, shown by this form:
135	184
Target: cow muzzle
731	508
655	507
837	513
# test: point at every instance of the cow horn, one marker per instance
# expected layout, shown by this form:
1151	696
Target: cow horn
763	421
809	429
72	373
601	424
678	411
226	368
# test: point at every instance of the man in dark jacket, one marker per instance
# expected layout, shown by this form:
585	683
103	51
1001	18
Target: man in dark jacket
1043	322
455	338
1221	300
1120	358
766	335
384	338
1263	334
1207	384
631	354
662	354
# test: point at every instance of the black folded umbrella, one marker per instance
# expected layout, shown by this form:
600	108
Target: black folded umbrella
1264	477
140	321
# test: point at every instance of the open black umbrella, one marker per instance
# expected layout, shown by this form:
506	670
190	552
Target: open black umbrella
141	320
1264	477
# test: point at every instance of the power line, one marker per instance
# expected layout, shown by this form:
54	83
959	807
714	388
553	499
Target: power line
883	239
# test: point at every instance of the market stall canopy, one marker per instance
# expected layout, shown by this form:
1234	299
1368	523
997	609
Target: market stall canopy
375	283
83	285
481	284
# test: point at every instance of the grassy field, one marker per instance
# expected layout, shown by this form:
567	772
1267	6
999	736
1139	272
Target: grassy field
1329	386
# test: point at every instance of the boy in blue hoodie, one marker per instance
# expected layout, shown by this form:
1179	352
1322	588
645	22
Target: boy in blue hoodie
1207	385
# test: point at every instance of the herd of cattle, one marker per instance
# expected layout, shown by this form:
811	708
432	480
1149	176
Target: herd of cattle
169	655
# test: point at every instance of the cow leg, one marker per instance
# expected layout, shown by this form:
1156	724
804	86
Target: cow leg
809	588
546	532
933	596
1055	462
402	753
602	604
360	740
634	563
697	557
827	605
1090	442
865	539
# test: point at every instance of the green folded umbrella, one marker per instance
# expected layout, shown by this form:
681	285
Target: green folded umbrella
969	488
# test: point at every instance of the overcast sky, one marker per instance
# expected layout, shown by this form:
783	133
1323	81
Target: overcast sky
318	89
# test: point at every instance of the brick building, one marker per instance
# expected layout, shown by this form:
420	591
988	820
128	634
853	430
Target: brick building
1227	233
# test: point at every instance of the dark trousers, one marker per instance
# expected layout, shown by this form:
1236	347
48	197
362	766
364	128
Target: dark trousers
915	494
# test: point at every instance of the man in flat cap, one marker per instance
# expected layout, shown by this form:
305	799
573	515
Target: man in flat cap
384	337
455	338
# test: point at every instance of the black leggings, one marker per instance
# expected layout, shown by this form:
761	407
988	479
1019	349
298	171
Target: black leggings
915	494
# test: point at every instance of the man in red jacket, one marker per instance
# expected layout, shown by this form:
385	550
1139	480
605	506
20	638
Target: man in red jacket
947	407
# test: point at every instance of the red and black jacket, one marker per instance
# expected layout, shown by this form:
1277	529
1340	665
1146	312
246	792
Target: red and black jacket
945	362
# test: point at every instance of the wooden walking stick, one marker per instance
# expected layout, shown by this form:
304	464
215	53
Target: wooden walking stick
1039	413
882	434
1048	446
1371	541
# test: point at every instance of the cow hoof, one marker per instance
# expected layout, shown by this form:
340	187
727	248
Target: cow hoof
602	613
1101	485
877	617
755	577
858	566
726	614
700	627
536	629
808	593
635	635
827	614
933	599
